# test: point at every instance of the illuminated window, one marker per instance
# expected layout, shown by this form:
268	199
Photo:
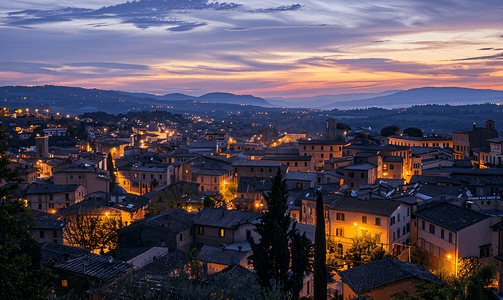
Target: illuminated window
201	230
64	283
364	219
221	232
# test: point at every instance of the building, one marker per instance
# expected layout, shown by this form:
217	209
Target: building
172	229
387	220
332	132
320	150
448	232
93	179
424	141
295	163
258	169
50	198
216	227
358	174
382	278
464	141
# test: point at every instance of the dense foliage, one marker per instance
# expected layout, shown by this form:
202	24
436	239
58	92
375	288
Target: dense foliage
282	256
21	275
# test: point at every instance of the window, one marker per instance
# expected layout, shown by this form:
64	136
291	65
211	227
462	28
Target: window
339	232
251	169
485	251
248	235
295	163
450	237
391	167
364	219
40	206
42	234
51	197
160	177
201	230
398	232
321	148
67	196
261	169
362	175
392	220
378	237
432	229
423	225
442	232
378	221
394	238
181	236
221	232
299	185
340	217
407	227
143	176
398	217
305	164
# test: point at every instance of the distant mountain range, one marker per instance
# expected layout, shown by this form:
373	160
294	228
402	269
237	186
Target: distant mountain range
75	100
210	98
324	101
426	95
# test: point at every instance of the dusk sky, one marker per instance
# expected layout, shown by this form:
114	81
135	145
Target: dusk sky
264	48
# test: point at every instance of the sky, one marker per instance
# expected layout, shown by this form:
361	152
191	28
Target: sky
274	48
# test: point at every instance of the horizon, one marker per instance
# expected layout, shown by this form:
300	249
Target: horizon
265	49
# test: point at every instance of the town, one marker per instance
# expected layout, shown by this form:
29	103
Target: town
122	205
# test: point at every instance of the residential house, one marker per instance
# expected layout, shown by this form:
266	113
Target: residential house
50	198
464	141
94	179
320	150
382	278
387	220
448	232
295	163
172	228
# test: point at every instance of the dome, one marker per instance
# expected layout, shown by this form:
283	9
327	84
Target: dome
152	127
118	190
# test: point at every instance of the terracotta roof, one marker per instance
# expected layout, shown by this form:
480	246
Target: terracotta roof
450	216
101	267
383	272
216	217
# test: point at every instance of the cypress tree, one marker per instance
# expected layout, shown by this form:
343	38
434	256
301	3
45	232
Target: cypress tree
282	256
111	168
320	253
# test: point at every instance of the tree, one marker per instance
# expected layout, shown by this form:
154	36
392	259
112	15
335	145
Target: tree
111	169
390	130
282	255
413	131
186	196
364	249
320	253
21	275
95	232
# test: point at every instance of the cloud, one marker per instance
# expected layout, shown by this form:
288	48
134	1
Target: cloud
282	8
186	27
486	57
